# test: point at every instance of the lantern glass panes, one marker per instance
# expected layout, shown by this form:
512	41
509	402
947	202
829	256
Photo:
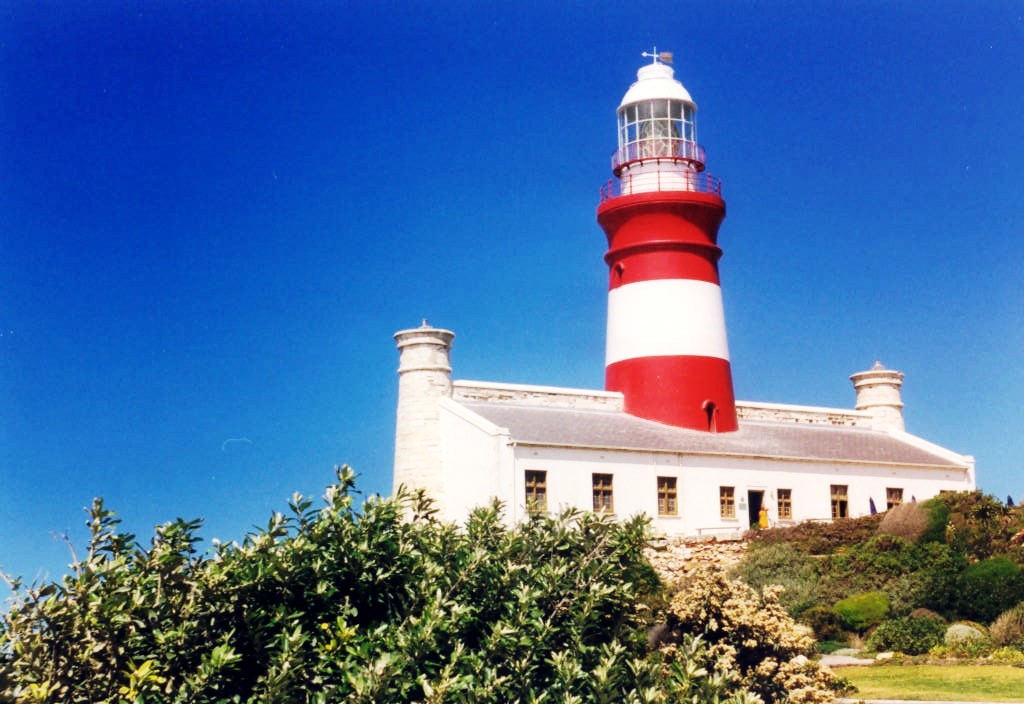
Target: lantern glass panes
655	128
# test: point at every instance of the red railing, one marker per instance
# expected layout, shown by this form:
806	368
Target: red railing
647	149
692	181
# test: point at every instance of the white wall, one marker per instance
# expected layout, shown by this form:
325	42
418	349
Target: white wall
699	478
476	461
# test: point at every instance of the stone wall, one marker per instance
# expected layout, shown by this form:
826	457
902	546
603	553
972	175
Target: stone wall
541	396
815	415
674	558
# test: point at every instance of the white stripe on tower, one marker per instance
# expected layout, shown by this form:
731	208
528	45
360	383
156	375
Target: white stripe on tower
666	317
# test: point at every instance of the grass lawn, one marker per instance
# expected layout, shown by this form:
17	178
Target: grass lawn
994	683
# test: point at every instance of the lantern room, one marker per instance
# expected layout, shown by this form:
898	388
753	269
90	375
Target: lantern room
657	120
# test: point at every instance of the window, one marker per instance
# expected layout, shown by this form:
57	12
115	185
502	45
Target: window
602	485
785	504
667	504
711	411
536	491
840	501
657	128
893	498
727	501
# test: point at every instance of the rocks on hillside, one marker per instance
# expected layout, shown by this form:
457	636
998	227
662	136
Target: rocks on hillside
675	558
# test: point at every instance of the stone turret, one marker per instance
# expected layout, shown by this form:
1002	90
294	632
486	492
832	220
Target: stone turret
424	378
878	393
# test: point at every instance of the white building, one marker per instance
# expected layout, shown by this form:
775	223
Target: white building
666	437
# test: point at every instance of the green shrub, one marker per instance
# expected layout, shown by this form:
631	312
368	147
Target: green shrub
940	578
768	563
974	524
383	603
1008	656
964	632
967	639
912	636
862	611
824	622
911	576
1008	628
906	592
883	556
817	538
938	518
989	587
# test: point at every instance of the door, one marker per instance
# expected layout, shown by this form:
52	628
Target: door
755	500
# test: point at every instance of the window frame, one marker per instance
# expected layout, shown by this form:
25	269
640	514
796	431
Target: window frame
727	502
668	496
656	128
784	504
602	492
839	498
893	497
535	492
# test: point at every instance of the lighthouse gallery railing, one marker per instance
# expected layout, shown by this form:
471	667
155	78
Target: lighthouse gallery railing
689	181
644	149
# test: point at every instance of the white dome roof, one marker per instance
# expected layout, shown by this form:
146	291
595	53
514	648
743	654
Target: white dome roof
655	81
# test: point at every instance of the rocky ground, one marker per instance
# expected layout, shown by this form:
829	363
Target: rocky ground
675	558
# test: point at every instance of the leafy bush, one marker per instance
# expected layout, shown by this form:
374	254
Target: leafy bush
940	578
909	521
962	634
386	604
824	622
884	563
980	526
817	538
938	519
1008	656
754	636
862	611
912	636
768	563
884	556
910	575
967	639
989	587
958	633
821	565
1008	628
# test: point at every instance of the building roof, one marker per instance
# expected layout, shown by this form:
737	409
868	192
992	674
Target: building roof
612	430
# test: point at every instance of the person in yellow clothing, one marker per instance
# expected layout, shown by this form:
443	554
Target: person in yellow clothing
762	518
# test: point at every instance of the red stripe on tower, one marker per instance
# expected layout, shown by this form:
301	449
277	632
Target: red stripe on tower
666	346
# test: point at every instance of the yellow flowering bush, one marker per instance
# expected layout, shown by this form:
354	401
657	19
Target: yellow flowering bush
750	634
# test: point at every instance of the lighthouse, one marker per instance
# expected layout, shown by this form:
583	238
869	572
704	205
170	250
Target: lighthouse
666	346
662	438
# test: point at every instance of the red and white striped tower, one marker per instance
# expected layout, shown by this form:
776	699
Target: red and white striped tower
666	347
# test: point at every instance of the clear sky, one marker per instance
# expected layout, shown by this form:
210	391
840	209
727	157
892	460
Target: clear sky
214	216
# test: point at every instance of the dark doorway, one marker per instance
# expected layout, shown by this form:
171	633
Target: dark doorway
755	500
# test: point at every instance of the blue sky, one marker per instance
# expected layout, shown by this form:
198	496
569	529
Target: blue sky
213	216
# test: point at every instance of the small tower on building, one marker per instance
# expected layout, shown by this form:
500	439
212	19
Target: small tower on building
424	378
666	341
878	392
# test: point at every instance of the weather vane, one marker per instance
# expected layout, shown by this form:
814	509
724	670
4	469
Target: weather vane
664	57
